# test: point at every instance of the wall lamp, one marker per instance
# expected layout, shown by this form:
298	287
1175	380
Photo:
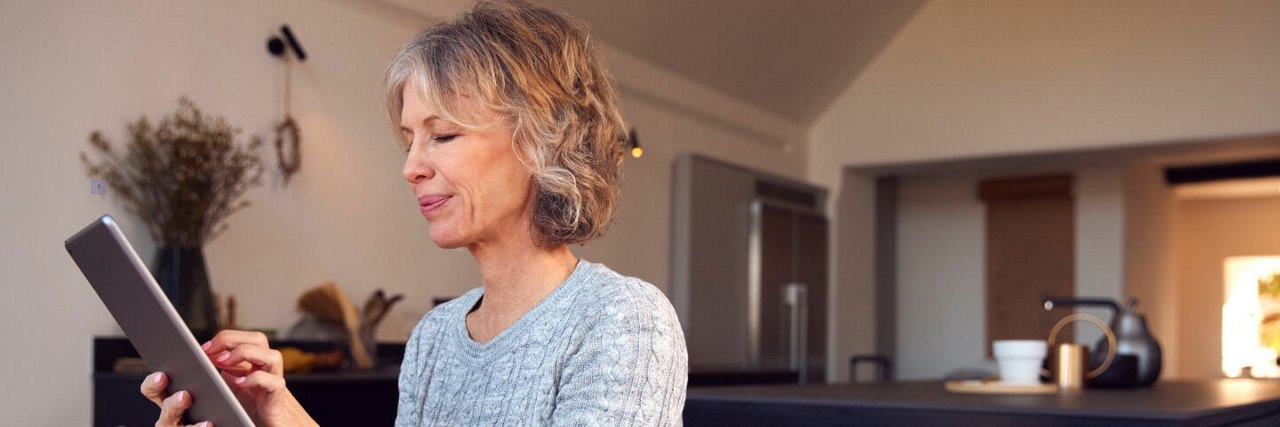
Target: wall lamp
633	143
277	46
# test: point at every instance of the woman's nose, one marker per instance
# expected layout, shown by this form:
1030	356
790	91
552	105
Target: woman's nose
417	167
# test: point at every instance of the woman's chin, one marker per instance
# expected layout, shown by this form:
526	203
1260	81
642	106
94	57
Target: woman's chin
447	240
448	245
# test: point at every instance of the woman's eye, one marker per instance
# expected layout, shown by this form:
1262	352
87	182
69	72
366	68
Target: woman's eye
444	138
406	141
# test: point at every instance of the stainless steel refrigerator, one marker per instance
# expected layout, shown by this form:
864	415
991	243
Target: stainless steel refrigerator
749	269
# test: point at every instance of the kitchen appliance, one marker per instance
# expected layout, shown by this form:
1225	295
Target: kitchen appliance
749	270
786	290
1133	341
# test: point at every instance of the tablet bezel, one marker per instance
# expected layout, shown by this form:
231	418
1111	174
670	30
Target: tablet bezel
151	323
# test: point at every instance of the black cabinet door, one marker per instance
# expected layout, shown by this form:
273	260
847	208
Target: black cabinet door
792	299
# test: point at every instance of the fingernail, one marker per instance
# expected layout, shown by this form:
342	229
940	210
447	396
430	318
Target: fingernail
205	346
203	424
181	396
224	357
155	378
241	380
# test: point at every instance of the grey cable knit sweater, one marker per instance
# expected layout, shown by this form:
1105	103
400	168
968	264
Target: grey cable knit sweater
602	349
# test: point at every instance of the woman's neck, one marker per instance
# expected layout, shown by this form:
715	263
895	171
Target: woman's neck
516	278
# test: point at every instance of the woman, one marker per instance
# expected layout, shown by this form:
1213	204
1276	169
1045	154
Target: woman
512	134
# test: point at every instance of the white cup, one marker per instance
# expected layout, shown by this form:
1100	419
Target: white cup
1019	361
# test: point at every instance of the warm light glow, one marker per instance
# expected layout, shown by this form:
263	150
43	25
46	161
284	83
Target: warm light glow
1242	315
637	151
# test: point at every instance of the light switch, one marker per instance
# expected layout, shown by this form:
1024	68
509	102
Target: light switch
97	186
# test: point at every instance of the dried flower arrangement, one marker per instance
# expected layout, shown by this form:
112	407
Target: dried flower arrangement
183	177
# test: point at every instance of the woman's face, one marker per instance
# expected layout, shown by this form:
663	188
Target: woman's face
470	185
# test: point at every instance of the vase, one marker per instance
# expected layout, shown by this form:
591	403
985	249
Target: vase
181	273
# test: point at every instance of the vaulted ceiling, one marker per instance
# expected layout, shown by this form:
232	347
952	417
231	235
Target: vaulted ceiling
789	58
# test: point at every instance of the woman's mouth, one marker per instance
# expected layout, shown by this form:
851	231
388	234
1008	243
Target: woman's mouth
432	203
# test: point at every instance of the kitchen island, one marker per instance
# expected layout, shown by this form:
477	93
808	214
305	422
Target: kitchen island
1169	403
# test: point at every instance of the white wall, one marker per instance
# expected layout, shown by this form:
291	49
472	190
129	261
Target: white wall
1099	197
969	79
1149	255
941	264
71	67
852	326
941	276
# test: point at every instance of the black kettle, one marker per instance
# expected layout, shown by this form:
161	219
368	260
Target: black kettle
1138	355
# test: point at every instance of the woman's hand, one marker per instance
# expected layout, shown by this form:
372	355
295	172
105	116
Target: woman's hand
255	374
171	407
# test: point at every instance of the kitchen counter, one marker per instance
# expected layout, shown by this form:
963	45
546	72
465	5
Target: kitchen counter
1169	403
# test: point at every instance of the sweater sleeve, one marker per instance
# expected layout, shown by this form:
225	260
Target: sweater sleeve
410	403
631	368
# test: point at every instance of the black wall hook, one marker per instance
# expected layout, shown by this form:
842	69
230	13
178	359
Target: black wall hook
277	47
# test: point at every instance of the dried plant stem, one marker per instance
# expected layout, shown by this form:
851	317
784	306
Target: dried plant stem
184	177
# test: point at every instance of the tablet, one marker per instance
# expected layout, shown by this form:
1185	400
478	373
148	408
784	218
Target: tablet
152	324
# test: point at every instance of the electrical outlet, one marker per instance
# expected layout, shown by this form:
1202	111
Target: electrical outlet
97	186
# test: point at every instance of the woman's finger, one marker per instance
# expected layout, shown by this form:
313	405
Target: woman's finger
259	382
260	358
228	339
153	387
238	370
172	407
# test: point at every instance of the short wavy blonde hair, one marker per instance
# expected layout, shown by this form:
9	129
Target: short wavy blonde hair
539	70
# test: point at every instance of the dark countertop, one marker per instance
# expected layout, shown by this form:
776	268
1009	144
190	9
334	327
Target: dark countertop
1168	403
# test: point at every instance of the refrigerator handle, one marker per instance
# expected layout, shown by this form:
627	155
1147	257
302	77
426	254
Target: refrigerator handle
796	296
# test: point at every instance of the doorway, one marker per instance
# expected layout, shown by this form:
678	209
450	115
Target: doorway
1226	252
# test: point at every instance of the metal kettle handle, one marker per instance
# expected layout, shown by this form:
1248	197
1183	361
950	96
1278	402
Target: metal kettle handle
1051	302
1111	339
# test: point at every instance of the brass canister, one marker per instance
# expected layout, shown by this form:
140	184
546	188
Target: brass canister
1068	369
